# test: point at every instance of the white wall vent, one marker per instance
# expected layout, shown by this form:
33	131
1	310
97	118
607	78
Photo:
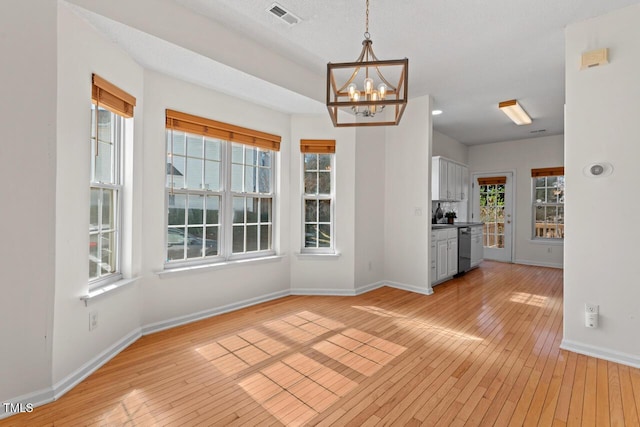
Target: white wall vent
282	13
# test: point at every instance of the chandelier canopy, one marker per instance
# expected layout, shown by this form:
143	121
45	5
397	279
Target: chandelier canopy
368	91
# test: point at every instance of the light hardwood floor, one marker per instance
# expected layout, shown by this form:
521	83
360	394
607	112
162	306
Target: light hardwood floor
483	350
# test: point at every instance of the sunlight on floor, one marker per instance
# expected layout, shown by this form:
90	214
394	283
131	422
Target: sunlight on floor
131	409
531	299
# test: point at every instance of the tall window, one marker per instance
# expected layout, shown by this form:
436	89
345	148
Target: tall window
548	203
108	112
220	190
492	203
318	194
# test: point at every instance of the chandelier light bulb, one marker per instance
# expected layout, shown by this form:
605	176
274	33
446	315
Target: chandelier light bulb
351	89
382	89
374	97
368	85
356	96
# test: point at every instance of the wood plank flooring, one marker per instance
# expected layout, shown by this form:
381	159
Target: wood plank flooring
482	351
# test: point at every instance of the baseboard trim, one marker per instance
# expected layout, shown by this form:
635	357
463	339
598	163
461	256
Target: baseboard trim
73	379
194	317
36	398
601	353
538	263
337	292
410	288
370	287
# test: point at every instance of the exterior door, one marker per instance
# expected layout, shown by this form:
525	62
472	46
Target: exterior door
493	206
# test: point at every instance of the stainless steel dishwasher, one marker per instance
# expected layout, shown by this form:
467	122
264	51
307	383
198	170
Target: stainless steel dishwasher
464	249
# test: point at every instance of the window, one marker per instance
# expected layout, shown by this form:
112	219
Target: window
220	190
548	203
318	195
110	107
492	204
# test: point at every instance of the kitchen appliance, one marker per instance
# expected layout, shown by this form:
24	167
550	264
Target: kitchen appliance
464	249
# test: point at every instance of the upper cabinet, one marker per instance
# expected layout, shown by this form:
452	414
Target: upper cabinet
449	180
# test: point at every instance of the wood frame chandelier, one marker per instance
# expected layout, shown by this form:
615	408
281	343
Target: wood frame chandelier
371	92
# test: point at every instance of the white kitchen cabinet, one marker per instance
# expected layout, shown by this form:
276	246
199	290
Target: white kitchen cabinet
477	246
444	244
449	180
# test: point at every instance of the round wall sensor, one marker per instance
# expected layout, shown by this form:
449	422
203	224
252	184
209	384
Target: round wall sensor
596	170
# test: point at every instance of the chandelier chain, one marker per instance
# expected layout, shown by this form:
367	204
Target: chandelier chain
366	31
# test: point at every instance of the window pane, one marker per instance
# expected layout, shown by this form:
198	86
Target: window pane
105	125
93	209
213	209
238	210
108	208
324	162
175	243
177	172
194	146
310	183
540	214
324	235
252	238
212	149
310	162
251	156
194	242
211	242
103	163
541	182
237	153
310	236
324	211
196	209
238	239
265	159
250	179
252	210
212	175
94	261
265	210
178	142
264	180
540	195
108	244
194	173
177	206
265	237
310	211
236	178
324	183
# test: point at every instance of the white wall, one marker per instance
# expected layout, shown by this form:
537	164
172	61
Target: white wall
179	295
407	188
369	204
324	274
448	147
602	111
81	51
521	156
27	152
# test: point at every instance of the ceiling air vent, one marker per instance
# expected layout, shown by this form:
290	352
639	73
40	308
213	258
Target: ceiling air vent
279	11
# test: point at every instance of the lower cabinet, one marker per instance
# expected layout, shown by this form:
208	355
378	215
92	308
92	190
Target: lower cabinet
444	254
477	246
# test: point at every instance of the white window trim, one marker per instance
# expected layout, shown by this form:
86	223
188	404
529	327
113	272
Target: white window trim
331	250
225	255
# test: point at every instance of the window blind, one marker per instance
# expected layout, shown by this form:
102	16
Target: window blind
555	171
492	180
318	146
206	127
111	97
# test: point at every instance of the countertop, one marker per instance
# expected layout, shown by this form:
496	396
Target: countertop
456	225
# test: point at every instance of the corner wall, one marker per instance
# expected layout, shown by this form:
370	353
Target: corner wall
602	111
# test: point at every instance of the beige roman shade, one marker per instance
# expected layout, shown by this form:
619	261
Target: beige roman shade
318	146
206	127
492	180
556	171
111	97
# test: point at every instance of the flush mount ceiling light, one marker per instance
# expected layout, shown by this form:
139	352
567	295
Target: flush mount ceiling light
368	91
514	111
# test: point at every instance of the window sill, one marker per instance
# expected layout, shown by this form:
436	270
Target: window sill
102	290
201	268
547	242
317	256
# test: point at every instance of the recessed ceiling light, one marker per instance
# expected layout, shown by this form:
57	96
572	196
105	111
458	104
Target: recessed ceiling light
436	112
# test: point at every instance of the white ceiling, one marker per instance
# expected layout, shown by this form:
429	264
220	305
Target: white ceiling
469	55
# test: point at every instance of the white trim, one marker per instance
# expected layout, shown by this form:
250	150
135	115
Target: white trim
538	263
317	255
73	379
410	288
193	317
102	290
323	292
370	287
601	353
202	268
50	394
548	242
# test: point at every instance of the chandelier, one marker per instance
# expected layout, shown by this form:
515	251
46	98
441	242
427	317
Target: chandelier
371	92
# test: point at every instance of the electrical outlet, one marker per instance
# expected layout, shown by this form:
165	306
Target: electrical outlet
591	308
93	320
